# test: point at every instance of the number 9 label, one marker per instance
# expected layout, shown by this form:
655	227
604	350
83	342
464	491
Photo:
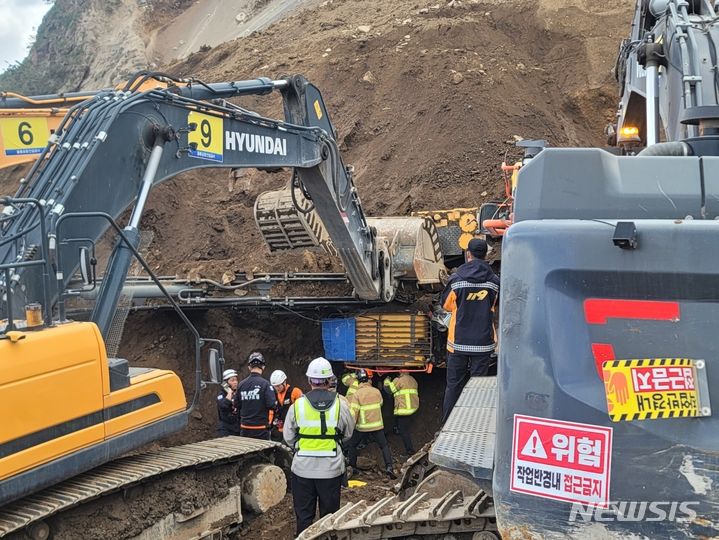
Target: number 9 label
25	135
206	137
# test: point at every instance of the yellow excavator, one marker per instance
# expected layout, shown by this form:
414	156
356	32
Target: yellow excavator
67	407
27	123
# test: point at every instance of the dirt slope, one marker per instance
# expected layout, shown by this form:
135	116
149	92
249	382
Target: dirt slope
425	102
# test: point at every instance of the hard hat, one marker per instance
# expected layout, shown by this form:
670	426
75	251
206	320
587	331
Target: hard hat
362	376
278	377
319	368
256	359
228	374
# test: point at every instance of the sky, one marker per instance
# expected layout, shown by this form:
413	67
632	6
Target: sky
19	20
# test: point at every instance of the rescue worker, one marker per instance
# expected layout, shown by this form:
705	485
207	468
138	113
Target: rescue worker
254	400
366	406
315	426
286	396
404	390
229	420
470	296
349	379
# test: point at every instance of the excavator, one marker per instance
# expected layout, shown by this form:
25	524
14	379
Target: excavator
103	160
28	122
599	424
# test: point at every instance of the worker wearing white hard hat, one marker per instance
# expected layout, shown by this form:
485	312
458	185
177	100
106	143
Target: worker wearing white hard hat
286	396
229	419
315	426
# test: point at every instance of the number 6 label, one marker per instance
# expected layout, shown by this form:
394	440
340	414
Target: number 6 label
21	136
206	137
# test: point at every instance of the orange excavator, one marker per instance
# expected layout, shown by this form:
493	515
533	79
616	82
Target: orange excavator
28	123
496	217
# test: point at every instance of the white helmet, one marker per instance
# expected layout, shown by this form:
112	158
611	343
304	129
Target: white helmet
319	368
278	377
228	374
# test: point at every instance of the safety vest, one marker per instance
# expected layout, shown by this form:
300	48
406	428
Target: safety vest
366	406
350	381
405	393
317	430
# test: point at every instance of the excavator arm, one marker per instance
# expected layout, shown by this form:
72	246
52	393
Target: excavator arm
111	149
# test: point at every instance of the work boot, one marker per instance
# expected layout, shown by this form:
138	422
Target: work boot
390	472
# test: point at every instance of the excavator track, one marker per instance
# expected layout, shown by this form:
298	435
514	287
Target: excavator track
455	514
32	516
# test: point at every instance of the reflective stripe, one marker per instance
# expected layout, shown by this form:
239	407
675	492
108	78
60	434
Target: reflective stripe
407	393
363	410
243	426
390	384
469	285
470	348
316	439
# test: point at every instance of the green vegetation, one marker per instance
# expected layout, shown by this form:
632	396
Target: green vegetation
54	58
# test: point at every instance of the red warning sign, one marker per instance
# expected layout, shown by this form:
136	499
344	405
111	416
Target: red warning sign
561	460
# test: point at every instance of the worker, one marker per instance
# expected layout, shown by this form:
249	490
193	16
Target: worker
404	390
470	296
315	426
366	406
349	379
229	421
254	400
286	396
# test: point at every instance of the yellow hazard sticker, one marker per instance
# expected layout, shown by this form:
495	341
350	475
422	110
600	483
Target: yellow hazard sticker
652	388
206	141
25	135
318	109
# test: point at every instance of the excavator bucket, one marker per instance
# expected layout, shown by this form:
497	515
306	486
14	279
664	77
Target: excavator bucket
413	241
414	245
283	226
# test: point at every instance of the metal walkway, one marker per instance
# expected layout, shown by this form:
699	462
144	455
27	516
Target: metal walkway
466	442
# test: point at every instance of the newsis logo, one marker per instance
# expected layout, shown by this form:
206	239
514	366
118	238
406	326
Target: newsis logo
634	511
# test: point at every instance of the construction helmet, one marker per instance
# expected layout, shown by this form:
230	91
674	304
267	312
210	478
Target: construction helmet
362	376
319	368
256	359
228	374
278	377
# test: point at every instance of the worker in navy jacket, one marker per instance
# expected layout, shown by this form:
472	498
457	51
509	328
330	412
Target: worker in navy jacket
470	297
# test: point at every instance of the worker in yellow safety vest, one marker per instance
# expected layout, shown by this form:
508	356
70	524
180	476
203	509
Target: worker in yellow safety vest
366	406
315	425
404	390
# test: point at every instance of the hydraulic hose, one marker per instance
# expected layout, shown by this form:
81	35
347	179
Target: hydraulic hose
672	148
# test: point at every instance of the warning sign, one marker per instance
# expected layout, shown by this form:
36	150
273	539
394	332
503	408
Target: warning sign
559	460
654	388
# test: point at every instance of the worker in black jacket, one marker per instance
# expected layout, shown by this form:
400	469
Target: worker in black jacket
470	296
254	400
229	423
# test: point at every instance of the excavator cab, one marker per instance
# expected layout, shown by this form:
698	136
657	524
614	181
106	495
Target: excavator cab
72	406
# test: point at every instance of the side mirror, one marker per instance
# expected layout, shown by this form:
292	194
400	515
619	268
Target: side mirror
216	363
87	267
